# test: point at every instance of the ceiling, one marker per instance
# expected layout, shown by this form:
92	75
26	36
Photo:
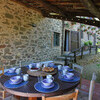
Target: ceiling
67	9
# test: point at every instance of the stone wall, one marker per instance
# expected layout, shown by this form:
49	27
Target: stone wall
20	41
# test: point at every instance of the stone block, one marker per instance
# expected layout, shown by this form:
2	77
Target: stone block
2	46
5	23
7	15
13	62
24	37
15	27
8	57
22	29
17	43
18	17
6	50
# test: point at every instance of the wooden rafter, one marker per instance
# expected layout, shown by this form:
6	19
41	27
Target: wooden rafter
50	7
91	7
79	20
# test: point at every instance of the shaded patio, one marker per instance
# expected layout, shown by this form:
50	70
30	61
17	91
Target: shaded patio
33	32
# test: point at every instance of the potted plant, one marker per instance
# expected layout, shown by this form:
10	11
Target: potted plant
90	43
86	44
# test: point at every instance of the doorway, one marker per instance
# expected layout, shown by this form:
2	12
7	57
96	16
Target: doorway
74	40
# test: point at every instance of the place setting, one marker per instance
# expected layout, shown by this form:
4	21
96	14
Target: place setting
13	71
65	73
17	81
46	85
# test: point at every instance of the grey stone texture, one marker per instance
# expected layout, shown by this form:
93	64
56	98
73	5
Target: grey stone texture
24	42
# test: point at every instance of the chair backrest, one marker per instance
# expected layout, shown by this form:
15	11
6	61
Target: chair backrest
1	71
63	97
75	66
92	86
79	69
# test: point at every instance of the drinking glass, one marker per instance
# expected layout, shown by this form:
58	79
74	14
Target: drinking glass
60	73
40	78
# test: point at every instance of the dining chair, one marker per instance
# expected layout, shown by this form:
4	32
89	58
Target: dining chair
1	89
83	95
80	70
92	86
73	96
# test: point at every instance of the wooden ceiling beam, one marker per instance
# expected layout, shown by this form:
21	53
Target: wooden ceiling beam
91	7
79	20
70	1
50	7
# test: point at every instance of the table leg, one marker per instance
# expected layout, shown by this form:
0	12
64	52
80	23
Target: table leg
15	97
32	98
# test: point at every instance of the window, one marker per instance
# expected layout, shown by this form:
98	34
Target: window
56	39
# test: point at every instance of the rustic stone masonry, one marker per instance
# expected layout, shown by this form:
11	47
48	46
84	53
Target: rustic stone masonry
21	41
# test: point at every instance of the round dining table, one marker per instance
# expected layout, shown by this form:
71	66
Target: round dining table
29	91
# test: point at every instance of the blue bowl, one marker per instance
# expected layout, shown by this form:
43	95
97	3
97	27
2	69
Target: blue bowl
47	82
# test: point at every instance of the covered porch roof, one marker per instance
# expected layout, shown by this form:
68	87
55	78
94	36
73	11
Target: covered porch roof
67	9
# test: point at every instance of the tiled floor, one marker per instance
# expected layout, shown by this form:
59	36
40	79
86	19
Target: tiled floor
85	88
86	85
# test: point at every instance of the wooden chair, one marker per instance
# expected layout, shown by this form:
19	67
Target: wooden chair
1	89
79	69
83	95
63	97
92	86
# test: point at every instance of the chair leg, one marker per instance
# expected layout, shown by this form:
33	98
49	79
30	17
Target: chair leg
4	94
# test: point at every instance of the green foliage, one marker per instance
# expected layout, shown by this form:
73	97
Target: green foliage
90	42
86	43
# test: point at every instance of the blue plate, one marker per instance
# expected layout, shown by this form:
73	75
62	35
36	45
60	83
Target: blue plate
39	88
75	79
47	87
9	74
17	82
70	70
8	85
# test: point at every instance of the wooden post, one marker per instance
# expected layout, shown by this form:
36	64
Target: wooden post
90	49
75	56
66	60
96	49
81	52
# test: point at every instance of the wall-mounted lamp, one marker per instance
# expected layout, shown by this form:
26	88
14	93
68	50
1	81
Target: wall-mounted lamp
32	24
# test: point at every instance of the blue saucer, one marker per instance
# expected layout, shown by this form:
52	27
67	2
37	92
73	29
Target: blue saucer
70	70
39	88
8	85
75	79
47	87
9	74
17	82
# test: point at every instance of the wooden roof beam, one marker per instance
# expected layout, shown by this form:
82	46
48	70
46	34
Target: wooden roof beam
79	20
91	7
50	7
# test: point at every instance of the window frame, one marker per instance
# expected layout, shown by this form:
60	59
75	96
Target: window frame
57	39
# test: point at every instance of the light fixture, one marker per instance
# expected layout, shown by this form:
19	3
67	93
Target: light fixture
53	13
32	24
